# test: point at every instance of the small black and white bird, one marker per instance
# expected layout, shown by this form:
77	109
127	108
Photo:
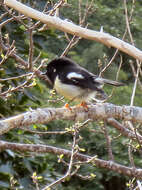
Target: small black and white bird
74	82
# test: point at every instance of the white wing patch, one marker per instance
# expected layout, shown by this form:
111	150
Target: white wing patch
75	75
98	79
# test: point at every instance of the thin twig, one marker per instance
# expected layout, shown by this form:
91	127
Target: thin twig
68	173
3	15
138	63
17	18
75	39
130	154
117	75
10	50
13	78
31	50
68	46
52	12
108	142
45	133
116	52
21	85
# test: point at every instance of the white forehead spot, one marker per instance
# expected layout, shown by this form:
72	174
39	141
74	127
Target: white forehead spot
75	75
54	70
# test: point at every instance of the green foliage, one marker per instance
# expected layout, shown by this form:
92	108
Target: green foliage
16	169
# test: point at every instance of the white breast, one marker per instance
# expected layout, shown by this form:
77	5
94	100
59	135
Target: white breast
73	92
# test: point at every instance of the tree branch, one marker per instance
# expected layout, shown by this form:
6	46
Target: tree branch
110	165
76	30
98	111
124	131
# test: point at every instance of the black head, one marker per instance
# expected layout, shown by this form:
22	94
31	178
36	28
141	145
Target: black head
57	66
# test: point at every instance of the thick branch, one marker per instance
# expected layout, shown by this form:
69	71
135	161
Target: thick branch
110	165
98	111
76	30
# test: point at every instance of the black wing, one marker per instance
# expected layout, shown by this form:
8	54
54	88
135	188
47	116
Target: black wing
80	77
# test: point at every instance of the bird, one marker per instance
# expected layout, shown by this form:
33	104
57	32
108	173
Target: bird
74	82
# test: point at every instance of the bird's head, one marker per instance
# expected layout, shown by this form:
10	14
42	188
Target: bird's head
57	66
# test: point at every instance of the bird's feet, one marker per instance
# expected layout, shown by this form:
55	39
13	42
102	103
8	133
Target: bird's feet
67	106
84	105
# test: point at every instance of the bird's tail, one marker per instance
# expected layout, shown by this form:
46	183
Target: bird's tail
110	82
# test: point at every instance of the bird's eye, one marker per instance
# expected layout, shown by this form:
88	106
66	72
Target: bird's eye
54	70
